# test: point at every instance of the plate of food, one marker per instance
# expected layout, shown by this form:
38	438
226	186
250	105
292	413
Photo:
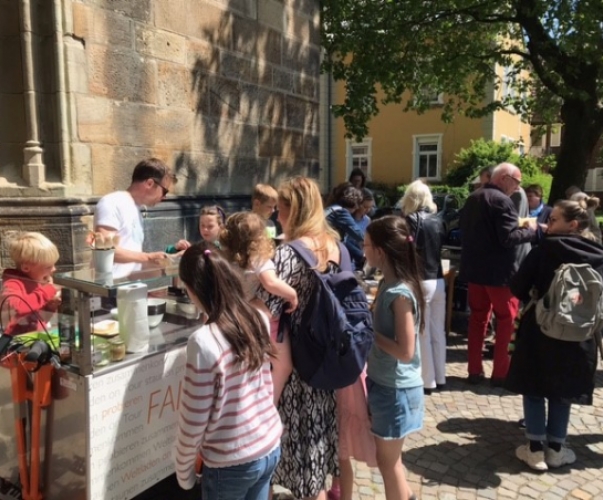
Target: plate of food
105	328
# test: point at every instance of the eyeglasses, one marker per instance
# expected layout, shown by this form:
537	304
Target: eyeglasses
163	188
515	179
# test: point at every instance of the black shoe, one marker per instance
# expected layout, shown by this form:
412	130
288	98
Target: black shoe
497	382
427	391
522	423
440	387
475	379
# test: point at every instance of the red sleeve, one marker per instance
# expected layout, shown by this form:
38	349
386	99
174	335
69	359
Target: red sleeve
37	297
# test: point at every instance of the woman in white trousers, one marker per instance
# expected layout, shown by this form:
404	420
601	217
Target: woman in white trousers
429	234
433	340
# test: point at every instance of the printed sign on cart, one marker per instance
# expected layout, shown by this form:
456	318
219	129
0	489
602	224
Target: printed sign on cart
133	422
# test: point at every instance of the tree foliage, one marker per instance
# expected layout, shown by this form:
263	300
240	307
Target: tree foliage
481	153
545	56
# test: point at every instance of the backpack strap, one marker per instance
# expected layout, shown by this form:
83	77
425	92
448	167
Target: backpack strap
304	253
345	263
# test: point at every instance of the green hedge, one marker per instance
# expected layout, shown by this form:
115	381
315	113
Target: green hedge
481	153
467	164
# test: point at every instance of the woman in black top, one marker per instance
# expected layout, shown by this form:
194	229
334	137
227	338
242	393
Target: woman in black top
429	234
543	368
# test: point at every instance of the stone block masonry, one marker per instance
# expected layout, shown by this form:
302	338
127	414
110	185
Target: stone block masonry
199	83
225	91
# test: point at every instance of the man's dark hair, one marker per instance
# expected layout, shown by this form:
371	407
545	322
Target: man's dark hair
151	168
358	172
535	189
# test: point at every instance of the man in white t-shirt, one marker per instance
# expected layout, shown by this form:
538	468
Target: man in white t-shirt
120	212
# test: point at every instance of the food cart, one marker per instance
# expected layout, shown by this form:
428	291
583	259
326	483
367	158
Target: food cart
109	430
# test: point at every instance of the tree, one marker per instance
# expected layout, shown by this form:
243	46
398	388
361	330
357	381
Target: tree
544	55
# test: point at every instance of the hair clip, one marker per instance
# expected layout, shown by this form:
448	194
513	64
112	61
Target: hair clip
410	239
207	252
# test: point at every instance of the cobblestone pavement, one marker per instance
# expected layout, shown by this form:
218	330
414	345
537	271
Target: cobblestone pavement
466	449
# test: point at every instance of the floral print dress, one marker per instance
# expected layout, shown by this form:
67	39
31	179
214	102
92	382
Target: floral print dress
309	442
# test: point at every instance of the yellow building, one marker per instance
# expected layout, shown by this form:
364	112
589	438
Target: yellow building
401	147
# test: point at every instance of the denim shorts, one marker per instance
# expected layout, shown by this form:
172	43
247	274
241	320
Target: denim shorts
395	413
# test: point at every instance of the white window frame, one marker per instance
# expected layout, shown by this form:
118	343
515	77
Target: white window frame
417	141
506	139
508	89
439	99
349	155
594	179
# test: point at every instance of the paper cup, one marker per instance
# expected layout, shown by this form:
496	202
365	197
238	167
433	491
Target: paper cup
103	260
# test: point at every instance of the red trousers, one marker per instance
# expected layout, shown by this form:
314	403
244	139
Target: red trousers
482	301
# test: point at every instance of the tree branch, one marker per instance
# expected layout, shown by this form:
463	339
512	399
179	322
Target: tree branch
542	46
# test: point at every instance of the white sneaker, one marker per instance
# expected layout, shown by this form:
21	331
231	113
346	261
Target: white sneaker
565	456
535	459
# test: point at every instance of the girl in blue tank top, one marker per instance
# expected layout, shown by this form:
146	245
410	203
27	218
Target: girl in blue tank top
394	383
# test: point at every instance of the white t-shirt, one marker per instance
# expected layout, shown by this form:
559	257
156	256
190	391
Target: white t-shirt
118	211
251	281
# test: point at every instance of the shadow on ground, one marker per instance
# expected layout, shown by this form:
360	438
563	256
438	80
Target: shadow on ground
490	452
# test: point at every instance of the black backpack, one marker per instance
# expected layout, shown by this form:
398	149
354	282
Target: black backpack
336	332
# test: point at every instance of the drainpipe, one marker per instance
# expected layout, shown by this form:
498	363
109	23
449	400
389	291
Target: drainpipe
62	111
33	166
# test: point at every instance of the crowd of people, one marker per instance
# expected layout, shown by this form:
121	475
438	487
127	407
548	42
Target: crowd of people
501	276
323	429
246	412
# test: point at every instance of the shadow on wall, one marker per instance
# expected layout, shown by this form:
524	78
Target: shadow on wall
256	99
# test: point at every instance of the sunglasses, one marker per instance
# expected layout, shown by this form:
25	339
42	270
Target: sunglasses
163	188
515	179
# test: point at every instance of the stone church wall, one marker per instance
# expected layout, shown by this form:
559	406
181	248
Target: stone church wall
225	91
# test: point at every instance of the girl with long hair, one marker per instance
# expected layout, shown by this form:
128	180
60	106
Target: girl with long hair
227	414
394	383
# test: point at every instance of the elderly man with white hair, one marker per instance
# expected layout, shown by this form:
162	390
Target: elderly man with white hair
491	236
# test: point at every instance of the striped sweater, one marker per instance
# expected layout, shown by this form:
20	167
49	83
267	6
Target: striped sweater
226	414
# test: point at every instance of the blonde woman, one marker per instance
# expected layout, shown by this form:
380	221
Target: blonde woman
309	445
428	232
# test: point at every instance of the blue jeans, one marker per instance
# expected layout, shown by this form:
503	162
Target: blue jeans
250	481
540	428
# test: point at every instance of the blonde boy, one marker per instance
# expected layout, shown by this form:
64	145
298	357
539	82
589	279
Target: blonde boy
28	288
263	203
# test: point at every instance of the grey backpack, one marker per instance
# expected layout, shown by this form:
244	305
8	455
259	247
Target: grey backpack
572	308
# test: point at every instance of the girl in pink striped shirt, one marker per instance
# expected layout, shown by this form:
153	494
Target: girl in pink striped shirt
227	412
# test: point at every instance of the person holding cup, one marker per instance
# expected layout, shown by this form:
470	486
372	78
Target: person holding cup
118	213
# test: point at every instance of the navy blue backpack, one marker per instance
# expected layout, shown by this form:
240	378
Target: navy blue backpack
336	333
